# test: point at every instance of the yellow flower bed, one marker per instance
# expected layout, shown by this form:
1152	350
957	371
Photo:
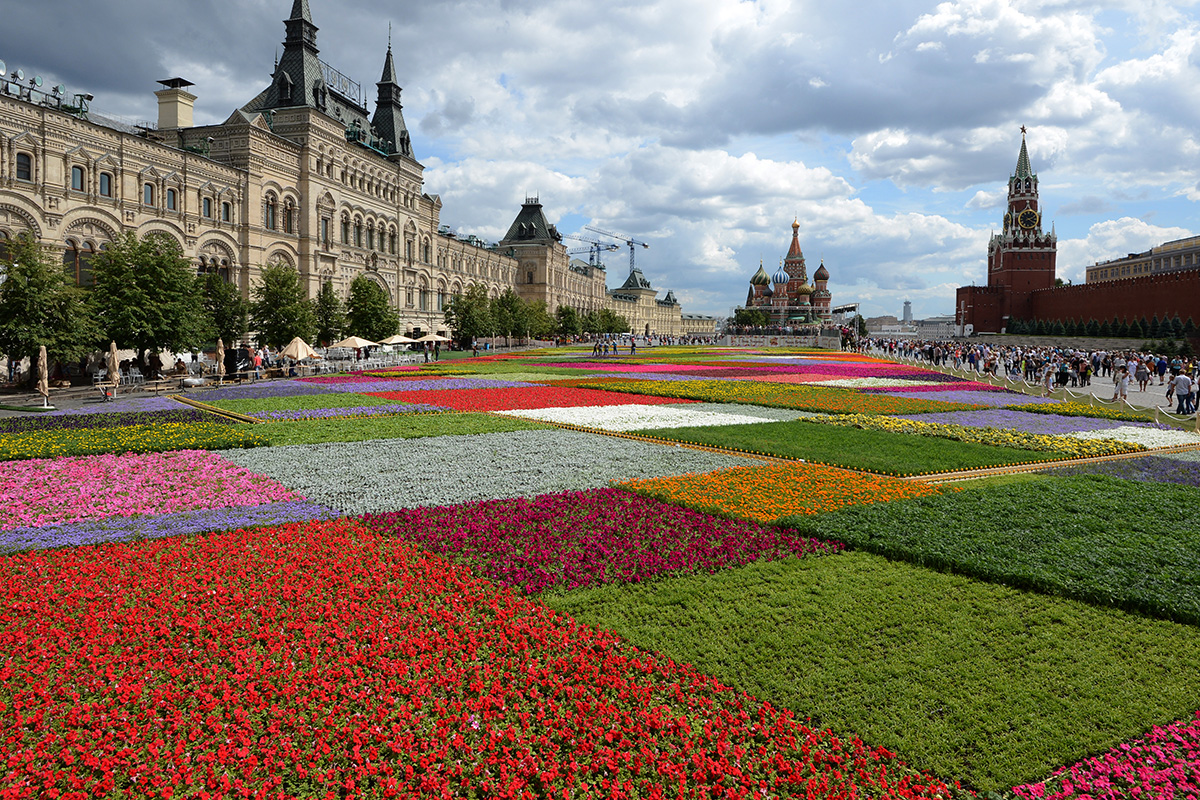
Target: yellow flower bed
1044	443
1072	408
153	438
767	493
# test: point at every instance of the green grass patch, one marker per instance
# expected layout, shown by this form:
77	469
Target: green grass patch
827	399
1094	538
401	426
153	438
965	679
301	401
877	451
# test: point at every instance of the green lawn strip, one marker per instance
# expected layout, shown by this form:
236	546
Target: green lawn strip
965	679
1094	538
303	401
855	448
401	426
827	399
154	438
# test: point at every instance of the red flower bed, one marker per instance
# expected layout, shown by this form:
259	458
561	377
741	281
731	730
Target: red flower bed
578	539
523	397
323	660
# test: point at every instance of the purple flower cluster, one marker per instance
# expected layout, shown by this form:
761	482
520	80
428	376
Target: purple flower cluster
261	390
45	422
970	397
118	406
1052	424
114	529
435	384
578	539
1147	469
351	411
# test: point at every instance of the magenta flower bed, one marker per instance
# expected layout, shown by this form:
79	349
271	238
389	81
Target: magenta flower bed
578	539
946	386
47	491
1164	764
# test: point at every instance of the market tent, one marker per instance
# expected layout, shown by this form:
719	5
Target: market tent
298	349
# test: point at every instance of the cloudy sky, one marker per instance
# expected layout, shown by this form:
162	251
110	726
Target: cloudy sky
703	127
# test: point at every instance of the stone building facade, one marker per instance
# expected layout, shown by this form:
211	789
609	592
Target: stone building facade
302	174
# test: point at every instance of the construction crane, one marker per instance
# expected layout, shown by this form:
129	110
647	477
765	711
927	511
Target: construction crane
593	251
626	239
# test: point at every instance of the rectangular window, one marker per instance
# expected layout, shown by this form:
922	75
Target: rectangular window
408	250
105	184
225	212
424	300
408	300
24	167
324	231
77	179
170	199
206	205
148	194
345	231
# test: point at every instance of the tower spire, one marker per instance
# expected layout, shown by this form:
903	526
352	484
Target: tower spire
1023	168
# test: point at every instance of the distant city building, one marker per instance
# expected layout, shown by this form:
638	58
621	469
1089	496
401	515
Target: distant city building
788	298
303	174
1021	288
908	312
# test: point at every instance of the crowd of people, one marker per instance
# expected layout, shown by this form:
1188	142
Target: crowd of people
1060	367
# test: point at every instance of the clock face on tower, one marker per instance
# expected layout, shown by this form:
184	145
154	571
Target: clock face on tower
1028	219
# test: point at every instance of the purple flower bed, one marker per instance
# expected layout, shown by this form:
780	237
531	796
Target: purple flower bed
114	529
961	386
119	406
45	422
432	384
1053	424
334	379
351	411
261	390
1147	469
971	397
577	539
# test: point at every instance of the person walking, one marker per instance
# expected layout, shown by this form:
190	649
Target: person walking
1121	384
1183	393
1142	375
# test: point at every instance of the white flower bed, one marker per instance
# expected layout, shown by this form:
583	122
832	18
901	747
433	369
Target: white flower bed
634	417
1147	437
389	474
870	383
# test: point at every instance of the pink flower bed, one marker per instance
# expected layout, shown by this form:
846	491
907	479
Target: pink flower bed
57	490
961	386
578	539
1164	764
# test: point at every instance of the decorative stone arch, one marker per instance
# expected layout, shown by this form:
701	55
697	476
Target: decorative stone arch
456	287
87	226
216	256
281	256
379	281
164	230
16	220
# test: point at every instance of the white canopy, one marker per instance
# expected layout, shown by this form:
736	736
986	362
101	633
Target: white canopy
298	349
398	339
355	342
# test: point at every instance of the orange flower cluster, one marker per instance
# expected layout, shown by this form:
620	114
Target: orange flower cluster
767	493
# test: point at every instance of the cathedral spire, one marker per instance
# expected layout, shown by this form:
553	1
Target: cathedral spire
1023	168
389	118
300	11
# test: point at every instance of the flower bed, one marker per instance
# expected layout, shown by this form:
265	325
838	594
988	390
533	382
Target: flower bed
260	390
129	439
635	417
995	397
49	491
46	422
347	411
568	541
387	475
1074	409
157	526
1147	469
1007	419
1141	436
520	397
299	402
808	398
1073	445
319	659
1165	763
767	493
122	405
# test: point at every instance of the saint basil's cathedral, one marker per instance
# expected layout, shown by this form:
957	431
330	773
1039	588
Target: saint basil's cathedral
788	298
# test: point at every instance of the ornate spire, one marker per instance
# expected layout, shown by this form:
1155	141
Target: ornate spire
300	11
1023	168
389	118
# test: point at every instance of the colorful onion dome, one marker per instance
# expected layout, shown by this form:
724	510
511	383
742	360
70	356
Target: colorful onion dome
781	277
761	278
821	274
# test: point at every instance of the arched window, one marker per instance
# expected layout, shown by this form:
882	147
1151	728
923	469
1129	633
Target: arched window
269	215
24	167
289	216
206	206
345	230
371	236
358	233
148	194
105	184
77	263
226	212
392	242
171	194
426	251
77	179
408	250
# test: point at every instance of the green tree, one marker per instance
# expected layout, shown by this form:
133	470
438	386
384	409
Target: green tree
539	321
147	296
754	317
569	323
39	305
368	313
1135	330
1122	329
1106	329
280	311
1155	327
510	316
331	314
1039	328
1093	327
1058	329
469	315
612	322
1176	327
227	312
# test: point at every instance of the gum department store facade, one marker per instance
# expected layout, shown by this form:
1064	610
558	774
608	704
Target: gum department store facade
301	175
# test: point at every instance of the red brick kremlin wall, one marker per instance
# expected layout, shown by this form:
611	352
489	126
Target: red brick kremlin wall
1164	295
